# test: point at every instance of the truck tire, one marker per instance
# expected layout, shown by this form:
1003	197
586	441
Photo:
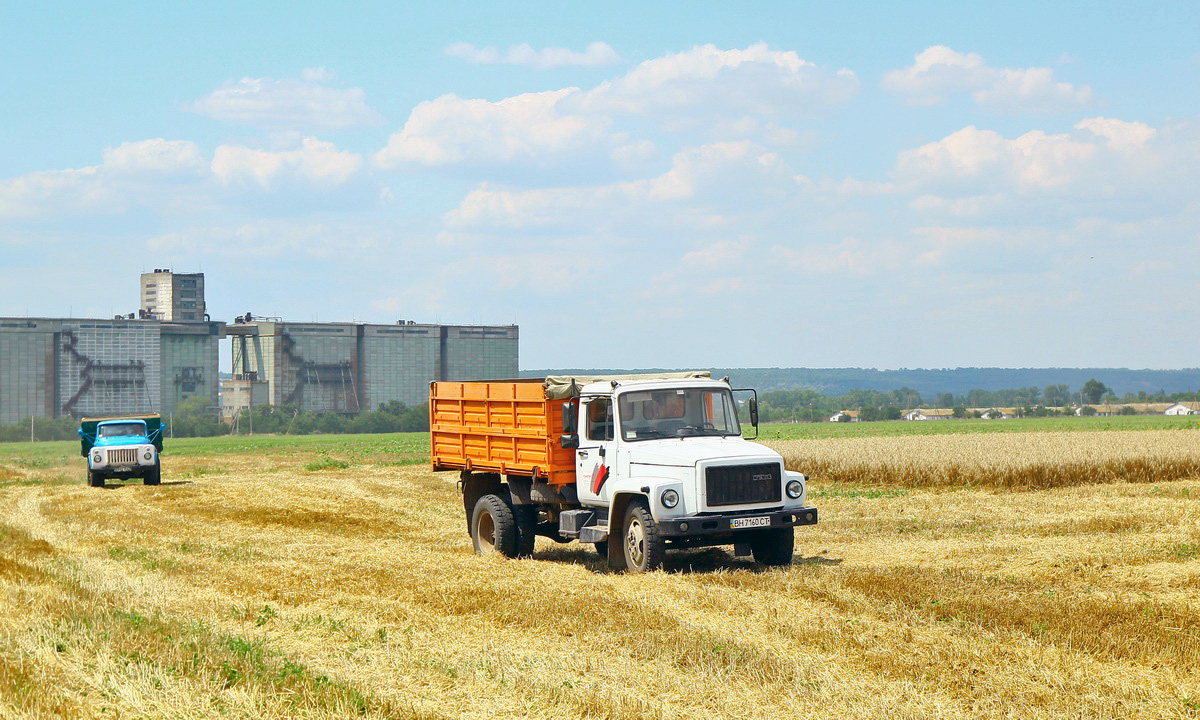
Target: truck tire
644	549
154	477
493	528
525	517
95	479
774	547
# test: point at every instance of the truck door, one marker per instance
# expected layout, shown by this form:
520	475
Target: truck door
596	459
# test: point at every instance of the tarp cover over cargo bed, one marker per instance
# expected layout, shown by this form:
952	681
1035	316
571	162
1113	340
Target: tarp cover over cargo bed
560	387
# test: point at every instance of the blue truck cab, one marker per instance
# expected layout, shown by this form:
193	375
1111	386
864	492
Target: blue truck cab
122	447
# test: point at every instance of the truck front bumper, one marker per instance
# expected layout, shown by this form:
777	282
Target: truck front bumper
727	524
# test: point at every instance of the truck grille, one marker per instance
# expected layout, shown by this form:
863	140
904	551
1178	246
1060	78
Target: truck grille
122	456
740	484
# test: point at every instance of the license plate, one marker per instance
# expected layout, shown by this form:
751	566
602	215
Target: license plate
749	522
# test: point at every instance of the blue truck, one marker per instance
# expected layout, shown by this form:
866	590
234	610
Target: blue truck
122	447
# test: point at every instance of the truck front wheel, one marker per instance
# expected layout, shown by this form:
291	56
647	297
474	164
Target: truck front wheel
493	528
774	547
95	479
153	477
645	550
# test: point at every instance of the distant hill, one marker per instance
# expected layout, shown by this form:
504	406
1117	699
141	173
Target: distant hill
837	381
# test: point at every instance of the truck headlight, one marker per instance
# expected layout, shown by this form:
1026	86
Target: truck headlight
147	455
97	457
794	489
669	498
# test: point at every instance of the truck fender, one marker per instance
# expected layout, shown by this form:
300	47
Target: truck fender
650	487
475	486
616	518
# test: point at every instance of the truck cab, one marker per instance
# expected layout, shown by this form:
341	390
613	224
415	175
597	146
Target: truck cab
122	447
667	458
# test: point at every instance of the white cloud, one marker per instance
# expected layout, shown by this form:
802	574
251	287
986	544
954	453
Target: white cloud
304	104
489	208
1120	135
270	238
850	256
155	158
597	54
719	256
132	173
721	168
316	75
703	183
314	162
1032	90
966	207
174	175
727	94
936	73
1104	167
971	158
528	128
716	83
939	72
56	192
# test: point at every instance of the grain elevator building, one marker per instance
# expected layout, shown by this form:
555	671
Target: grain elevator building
167	353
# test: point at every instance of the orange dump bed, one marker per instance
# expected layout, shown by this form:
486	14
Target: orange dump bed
502	426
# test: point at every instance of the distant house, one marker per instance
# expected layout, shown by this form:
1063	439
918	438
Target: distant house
998	414
929	414
837	417
1183	408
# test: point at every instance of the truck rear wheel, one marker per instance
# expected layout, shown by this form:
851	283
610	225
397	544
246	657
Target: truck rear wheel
154	477
645	550
774	547
95	479
493	528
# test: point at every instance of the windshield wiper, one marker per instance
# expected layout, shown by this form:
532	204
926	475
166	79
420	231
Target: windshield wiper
693	430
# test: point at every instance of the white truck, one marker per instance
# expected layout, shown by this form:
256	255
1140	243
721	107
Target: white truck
633	464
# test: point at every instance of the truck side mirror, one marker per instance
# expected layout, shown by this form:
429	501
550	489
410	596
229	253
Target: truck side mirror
569	441
754	411
570	417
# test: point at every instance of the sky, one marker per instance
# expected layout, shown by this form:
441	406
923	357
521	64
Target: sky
650	184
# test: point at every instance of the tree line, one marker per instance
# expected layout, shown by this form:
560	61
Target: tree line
812	406
195	418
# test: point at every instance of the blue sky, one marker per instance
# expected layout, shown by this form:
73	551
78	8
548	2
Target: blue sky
635	185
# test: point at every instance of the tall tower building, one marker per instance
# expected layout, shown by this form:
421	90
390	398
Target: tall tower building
173	297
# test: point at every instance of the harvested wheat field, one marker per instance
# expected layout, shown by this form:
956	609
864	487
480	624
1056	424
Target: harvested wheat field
332	577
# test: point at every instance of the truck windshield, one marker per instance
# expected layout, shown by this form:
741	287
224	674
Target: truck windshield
121	430
678	412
